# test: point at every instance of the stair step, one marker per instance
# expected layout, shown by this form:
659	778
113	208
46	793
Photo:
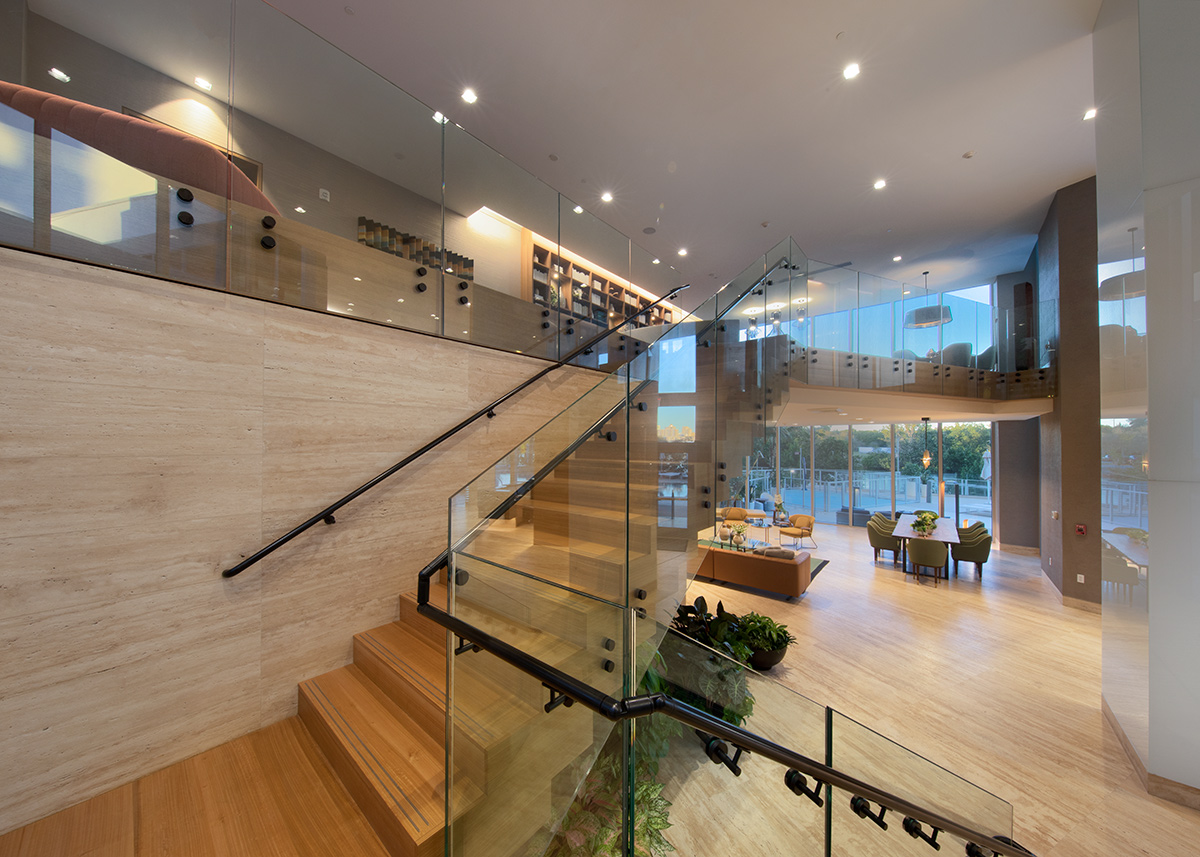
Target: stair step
386	760
270	792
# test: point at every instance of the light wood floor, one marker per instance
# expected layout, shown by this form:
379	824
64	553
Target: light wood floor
993	679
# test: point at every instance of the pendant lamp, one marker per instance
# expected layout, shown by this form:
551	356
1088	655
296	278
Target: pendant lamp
926	458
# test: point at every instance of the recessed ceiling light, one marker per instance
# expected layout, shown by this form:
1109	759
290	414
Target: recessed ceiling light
906	291
300	209
851	71
1090	114
606	196
203	84
578	209
880	184
60	75
968	155
656	262
682	251
439	118
800	301
470	97
753	310
776	305
896	258
358	279
349	304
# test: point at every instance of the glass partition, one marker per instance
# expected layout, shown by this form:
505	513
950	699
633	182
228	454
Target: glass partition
235	161
868	756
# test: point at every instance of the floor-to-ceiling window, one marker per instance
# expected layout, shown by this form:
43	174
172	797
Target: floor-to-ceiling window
967	471
795	469
831	472
916	481
872	459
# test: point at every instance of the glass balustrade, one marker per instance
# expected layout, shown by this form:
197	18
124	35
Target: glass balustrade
254	176
583	569
236	161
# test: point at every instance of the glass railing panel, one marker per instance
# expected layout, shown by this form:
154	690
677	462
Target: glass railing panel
353	197
879	363
868	756
16	178
677	777
502	743
538	525
917	320
129	157
678	785
500	225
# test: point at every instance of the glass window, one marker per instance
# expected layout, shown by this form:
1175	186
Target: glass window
831	472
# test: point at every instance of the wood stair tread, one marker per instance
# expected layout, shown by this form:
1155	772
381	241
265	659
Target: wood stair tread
388	762
270	792
540	644
488	712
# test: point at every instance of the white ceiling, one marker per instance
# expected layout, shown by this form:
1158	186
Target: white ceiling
707	120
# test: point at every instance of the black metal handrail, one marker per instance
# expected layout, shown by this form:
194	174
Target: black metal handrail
489	411
646	704
575	690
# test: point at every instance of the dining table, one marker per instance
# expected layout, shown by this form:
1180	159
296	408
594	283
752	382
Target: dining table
945	530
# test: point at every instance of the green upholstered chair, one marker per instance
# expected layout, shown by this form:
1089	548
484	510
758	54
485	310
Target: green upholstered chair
883	520
973	547
881	539
927	553
969	533
800	528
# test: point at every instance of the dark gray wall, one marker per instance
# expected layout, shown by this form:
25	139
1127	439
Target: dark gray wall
1015	478
12	40
1070	435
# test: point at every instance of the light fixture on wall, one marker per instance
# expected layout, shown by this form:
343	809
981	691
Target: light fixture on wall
927	316
926	458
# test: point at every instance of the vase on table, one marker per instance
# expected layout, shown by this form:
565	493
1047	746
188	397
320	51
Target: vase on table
724	534
738	540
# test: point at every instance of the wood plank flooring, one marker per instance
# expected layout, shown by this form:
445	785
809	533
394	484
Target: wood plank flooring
992	678
269	793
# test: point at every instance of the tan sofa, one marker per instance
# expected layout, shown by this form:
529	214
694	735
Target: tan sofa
786	576
737	515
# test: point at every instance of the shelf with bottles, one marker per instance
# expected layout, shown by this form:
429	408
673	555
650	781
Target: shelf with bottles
557	278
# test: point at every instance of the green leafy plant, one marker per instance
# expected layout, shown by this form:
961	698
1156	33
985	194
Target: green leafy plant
926	522
704	680
592	826
764	634
720	632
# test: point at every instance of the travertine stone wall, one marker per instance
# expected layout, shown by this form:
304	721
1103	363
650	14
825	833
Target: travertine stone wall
154	433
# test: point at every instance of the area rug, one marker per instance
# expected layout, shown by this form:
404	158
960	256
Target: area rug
817	565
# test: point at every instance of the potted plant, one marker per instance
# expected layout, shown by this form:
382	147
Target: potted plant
925	523
739	534
767	639
781	514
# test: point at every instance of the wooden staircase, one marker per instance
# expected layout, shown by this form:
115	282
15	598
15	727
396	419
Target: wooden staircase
360	771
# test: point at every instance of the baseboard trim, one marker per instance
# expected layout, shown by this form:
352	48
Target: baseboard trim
1160	787
1017	549
1080	604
